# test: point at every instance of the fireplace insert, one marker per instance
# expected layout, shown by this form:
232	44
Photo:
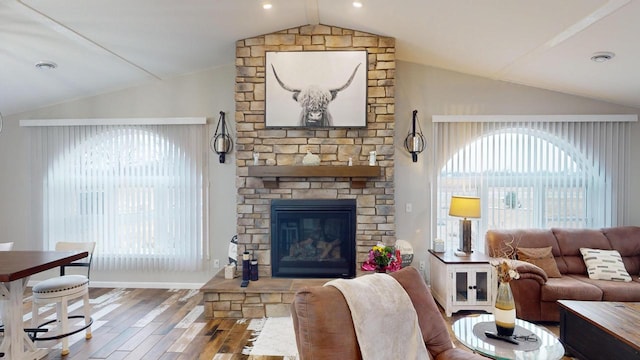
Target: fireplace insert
313	238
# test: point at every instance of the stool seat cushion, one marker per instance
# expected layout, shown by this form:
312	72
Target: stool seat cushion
61	286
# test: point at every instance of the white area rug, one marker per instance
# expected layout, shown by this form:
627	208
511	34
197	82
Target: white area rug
273	336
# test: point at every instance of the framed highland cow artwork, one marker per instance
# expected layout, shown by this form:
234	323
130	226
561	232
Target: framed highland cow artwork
316	89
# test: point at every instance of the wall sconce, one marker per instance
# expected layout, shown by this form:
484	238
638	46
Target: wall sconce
414	142
465	207
221	142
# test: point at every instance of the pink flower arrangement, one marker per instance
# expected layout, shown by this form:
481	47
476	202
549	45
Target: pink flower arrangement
383	257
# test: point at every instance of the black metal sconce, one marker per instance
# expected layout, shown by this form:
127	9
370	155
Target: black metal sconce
414	142
221	142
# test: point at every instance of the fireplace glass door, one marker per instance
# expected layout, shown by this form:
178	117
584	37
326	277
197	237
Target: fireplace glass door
313	238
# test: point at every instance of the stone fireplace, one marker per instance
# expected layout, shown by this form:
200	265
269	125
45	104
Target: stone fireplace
279	176
285	147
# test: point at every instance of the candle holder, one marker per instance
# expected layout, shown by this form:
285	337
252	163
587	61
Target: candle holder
414	143
221	142
246	269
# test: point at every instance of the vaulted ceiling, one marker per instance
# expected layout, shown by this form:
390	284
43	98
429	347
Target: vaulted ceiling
105	45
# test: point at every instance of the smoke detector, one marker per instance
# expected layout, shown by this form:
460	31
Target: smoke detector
46	65
602	56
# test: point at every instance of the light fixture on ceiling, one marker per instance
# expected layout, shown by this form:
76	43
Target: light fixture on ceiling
267	5
46	65
357	4
602	56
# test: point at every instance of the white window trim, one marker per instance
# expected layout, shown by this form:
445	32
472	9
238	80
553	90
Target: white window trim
536	118
115	121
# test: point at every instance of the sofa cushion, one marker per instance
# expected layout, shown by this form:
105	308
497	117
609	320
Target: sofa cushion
626	239
568	288
614	290
541	257
604	265
528	238
570	242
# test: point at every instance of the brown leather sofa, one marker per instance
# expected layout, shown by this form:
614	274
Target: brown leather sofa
324	330
536	294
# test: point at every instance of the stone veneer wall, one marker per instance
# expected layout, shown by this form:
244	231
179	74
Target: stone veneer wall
376	206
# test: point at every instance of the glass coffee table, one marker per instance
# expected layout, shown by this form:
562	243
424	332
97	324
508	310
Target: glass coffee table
534	342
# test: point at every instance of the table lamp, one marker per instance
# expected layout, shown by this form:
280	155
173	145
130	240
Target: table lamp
465	207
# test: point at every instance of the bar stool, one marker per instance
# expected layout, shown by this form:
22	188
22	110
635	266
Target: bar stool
60	290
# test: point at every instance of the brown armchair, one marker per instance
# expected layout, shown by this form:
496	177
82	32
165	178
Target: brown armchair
324	330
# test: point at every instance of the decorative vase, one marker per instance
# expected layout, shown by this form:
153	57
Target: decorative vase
381	269
311	159
504	310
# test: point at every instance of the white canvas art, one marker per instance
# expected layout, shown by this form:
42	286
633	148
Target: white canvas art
316	89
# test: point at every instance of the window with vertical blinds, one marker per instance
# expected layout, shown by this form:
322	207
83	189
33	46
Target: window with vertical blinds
531	173
137	190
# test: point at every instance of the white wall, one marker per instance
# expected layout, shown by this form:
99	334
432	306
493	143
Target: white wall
429	90
434	91
204	93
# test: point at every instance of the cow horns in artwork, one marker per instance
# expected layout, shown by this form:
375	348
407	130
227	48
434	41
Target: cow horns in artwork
315	101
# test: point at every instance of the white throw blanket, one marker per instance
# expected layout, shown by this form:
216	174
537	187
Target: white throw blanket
385	321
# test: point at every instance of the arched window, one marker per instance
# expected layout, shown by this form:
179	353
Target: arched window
527	175
138	191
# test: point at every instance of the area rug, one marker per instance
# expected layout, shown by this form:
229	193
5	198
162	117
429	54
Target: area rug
272	336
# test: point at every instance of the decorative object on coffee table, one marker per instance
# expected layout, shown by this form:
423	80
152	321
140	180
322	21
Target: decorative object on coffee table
505	307
505	310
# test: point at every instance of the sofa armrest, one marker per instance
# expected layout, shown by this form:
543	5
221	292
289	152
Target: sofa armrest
530	271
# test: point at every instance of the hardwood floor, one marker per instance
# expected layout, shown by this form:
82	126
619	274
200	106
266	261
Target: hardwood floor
157	324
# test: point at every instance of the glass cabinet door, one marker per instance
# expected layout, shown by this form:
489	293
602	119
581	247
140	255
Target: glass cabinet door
482	286
471	286
462	286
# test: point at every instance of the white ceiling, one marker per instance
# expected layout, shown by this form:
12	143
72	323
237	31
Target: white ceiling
105	45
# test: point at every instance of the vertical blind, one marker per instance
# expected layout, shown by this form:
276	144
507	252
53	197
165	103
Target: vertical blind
530	173
137	190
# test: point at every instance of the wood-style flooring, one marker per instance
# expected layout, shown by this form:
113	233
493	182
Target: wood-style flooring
158	324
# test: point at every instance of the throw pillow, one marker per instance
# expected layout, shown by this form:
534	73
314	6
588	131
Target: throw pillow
541	257
604	265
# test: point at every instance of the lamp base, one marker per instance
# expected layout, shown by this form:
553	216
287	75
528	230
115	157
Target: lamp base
465	236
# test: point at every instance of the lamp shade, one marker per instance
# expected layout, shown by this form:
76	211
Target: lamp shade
465	207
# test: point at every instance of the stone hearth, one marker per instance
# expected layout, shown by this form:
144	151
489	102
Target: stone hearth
267	297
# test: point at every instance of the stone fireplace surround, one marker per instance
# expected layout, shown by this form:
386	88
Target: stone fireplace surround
286	147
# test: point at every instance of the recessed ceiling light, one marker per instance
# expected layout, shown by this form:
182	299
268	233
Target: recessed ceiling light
357	4
48	65
267	5
602	56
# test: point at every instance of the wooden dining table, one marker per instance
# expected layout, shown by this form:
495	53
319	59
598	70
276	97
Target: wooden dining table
15	269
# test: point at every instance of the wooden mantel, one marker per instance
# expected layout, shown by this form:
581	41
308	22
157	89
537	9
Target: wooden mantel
357	173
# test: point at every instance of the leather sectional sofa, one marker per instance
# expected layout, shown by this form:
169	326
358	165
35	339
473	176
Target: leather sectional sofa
324	329
536	294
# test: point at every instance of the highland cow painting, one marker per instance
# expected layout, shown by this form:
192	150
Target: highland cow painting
316	89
